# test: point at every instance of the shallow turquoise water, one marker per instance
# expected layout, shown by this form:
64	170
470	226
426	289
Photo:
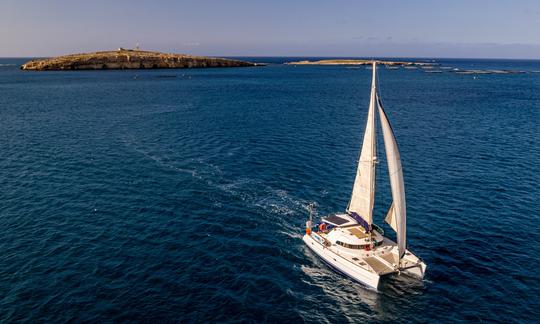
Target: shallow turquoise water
180	195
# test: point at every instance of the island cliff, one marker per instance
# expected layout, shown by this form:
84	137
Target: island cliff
130	59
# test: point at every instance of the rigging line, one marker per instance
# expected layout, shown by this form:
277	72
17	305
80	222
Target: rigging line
382	108
400	168
378	87
378	178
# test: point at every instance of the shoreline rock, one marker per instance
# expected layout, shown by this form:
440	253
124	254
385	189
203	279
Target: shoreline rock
130	59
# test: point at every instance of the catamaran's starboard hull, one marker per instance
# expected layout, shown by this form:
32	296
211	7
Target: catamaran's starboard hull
416	272
341	265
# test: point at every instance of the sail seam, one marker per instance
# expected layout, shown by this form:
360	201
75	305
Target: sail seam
400	169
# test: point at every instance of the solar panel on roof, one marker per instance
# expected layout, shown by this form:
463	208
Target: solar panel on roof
334	219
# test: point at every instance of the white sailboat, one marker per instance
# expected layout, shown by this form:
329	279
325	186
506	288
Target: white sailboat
351	242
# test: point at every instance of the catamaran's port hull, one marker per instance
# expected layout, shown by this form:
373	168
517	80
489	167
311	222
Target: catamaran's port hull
341	265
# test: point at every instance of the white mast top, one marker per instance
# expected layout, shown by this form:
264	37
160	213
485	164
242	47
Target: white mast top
363	194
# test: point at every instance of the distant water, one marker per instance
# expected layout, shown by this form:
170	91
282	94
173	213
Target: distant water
180	195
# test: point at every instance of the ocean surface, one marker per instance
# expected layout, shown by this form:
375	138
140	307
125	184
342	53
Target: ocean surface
181	195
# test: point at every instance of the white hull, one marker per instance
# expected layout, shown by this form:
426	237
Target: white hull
374	264
341	264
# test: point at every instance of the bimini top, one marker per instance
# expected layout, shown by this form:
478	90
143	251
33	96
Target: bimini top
340	220
350	237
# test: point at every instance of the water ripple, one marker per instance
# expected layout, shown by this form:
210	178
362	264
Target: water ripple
183	199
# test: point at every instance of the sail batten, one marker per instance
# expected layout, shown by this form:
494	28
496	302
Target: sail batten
397	215
363	194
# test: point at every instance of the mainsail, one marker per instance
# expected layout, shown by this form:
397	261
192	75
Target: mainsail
363	193
397	215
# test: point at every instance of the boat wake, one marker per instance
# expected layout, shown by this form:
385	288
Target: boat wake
276	204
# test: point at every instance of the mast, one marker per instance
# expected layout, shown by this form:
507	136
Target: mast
363	194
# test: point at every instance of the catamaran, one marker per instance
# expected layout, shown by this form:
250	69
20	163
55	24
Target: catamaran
351	242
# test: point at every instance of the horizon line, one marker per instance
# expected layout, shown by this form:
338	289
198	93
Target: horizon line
315	56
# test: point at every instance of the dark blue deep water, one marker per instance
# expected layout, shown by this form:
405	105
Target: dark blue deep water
180	195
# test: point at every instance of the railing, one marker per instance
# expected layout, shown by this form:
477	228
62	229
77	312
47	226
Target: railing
337	253
378	228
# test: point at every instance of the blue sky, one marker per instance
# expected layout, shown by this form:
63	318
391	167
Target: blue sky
413	28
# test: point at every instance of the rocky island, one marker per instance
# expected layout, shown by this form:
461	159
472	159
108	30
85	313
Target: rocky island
130	59
356	62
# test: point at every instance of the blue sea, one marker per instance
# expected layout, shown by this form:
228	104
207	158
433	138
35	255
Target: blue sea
181	195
